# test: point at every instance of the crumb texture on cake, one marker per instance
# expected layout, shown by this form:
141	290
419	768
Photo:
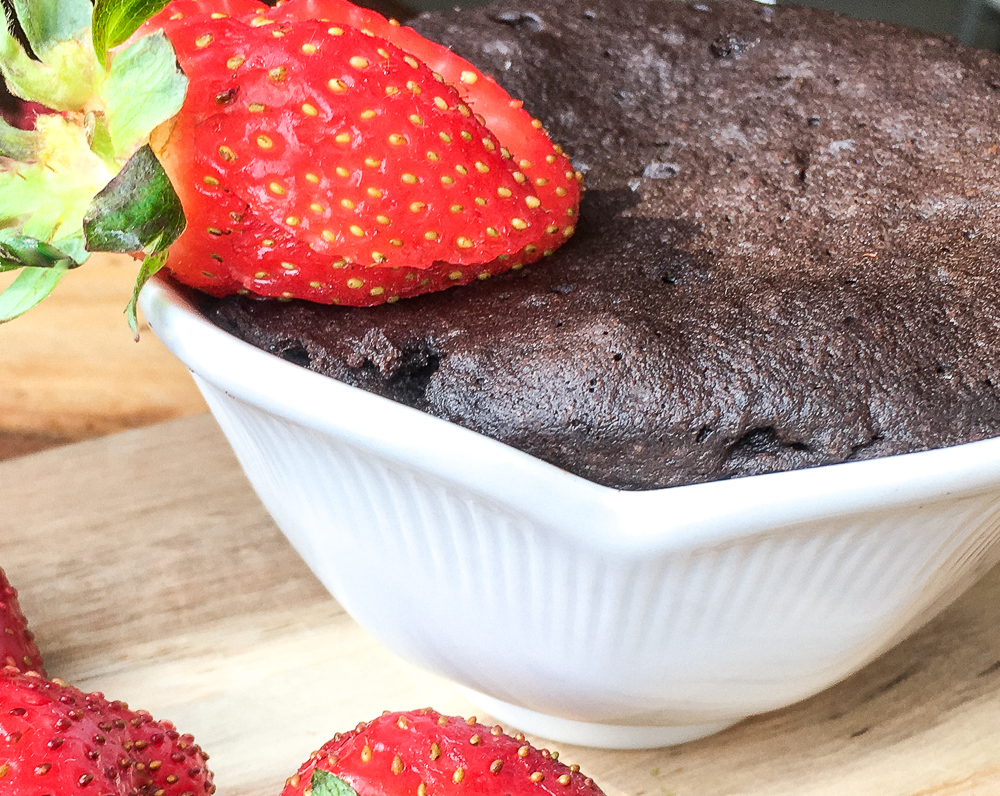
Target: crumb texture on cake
787	255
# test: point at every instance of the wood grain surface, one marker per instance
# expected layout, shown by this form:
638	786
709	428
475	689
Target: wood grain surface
70	369
150	571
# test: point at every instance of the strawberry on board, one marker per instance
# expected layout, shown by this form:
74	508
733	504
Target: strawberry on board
422	753
17	645
52	741
56	740
313	150
165	761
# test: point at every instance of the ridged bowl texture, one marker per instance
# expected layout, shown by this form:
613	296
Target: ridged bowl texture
577	612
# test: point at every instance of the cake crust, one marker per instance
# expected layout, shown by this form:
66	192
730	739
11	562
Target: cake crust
787	255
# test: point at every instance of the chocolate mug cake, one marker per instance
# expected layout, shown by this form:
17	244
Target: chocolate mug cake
787	255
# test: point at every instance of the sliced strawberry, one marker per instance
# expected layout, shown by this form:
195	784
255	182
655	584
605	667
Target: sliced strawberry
336	281
312	150
422	752
319	160
550	174
17	645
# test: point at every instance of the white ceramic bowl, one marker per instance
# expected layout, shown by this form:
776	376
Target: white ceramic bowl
577	612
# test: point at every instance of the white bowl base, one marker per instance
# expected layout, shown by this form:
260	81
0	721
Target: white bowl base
582	733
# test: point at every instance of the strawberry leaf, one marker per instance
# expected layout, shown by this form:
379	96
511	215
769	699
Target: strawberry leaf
150	266
31	286
115	20
138	210
143	89
63	76
324	783
22	251
48	22
101	143
64	82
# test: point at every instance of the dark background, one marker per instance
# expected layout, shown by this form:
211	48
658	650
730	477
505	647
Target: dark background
975	21
957	17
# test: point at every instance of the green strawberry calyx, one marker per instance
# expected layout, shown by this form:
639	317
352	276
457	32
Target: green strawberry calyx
323	783
84	179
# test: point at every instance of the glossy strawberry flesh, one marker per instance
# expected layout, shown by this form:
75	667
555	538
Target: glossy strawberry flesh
424	752
17	645
319	161
547	170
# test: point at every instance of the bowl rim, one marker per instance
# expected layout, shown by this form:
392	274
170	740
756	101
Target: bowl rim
621	520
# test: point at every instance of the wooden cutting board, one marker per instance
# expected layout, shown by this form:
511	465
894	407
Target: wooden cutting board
71	370
149	571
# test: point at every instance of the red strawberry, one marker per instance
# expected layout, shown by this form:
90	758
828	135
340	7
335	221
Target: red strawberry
167	763
56	740
423	752
17	646
315	150
325	160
